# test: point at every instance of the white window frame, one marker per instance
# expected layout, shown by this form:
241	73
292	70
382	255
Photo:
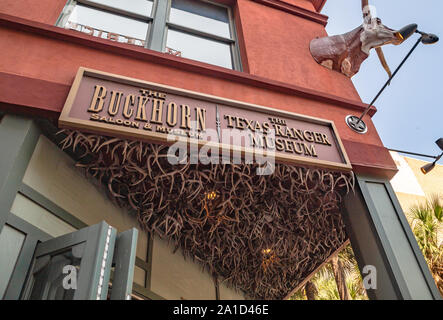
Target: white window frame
159	25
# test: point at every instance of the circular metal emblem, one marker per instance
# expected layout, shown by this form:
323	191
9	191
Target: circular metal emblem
356	125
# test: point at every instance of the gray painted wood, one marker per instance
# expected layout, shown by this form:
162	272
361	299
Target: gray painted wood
89	276
18	138
158	27
124	260
33	237
381	237
413	242
94	245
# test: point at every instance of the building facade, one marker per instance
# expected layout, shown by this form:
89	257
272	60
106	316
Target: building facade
232	235
411	186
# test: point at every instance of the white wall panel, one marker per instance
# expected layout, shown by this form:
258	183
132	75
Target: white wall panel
227	293
173	277
40	217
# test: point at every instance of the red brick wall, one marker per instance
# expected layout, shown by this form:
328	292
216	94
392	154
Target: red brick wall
277	47
45	11
275	50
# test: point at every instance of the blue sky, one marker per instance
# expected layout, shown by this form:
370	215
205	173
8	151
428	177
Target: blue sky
410	111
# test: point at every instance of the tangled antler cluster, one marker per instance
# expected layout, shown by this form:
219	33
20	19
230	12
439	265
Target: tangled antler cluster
260	233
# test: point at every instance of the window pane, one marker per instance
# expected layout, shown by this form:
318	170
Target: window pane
198	48
83	19
11	242
201	16
143	7
140	276
39	217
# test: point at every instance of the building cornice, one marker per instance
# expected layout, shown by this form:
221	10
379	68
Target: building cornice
296	10
78	38
318	4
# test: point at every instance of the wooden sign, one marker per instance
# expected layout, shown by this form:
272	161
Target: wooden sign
118	106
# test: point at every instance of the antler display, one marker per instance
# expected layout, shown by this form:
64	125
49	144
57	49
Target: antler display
365	7
260	234
367	19
345	53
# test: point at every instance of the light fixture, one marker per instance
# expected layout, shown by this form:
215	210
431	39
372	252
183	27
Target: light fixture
428	167
407	31
428	38
356	123
268	259
211	195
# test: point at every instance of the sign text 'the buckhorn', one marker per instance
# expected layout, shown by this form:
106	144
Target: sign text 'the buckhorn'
135	109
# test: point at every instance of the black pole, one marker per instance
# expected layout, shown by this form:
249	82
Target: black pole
414	154
389	80
438	158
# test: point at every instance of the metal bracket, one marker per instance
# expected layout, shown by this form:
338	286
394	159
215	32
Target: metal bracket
356	124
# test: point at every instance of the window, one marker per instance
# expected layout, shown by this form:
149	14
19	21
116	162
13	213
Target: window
117	20
192	29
